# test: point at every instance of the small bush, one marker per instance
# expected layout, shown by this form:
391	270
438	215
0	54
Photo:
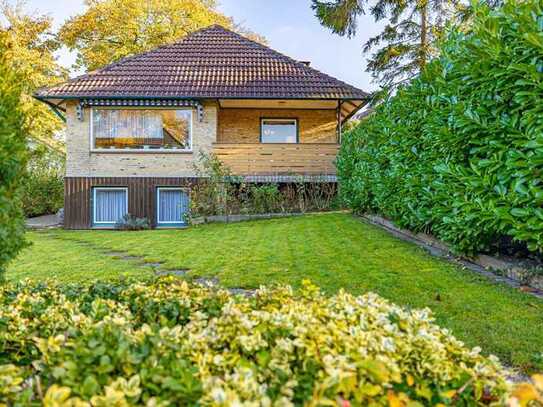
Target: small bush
42	189
12	160
265	198
131	222
215	193
163	342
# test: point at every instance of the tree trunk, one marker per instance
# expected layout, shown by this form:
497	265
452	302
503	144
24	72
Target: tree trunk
423	35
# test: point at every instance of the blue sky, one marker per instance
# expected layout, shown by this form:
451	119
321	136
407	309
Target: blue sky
289	26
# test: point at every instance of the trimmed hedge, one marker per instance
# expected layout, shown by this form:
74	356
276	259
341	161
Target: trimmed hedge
459	151
164	342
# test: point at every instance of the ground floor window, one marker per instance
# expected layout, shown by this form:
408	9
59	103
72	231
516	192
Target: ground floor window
172	206
110	204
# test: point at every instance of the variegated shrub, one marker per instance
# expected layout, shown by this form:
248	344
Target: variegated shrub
165	342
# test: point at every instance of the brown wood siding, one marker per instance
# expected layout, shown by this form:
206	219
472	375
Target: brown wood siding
272	159
243	125
141	196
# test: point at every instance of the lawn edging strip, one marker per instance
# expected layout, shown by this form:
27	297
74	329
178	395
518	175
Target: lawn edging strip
243	217
501	270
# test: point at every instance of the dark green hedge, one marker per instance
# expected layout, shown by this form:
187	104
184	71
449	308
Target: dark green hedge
42	189
12	160
459	152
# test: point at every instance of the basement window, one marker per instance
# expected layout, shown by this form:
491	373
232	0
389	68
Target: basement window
279	131
172	206
110	204
141	129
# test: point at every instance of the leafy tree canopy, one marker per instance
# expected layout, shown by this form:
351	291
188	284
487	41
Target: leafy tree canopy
109	30
31	54
406	43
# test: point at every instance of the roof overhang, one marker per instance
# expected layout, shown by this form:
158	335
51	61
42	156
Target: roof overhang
345	107
278	103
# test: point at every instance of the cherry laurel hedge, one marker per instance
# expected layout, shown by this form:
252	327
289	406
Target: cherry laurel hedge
459	151
164	342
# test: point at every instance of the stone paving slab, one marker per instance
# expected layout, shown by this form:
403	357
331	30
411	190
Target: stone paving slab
42	222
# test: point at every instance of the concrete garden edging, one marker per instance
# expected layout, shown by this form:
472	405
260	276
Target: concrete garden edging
241	218
515	273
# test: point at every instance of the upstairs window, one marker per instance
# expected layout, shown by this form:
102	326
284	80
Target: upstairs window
141	129
278	131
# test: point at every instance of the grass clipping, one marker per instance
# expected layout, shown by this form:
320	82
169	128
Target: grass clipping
165	342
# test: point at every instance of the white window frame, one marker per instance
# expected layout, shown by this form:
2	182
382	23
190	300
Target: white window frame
101	188
158	189
279	119
93	149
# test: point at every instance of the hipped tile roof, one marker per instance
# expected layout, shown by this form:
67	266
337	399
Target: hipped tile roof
210	63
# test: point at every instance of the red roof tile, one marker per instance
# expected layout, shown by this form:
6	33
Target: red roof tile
210	63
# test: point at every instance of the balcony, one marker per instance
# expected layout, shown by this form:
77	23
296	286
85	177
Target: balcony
257	160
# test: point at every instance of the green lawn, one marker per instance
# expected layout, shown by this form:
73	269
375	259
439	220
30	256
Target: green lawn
333	250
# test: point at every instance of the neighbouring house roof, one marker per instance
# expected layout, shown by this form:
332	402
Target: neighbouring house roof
213	63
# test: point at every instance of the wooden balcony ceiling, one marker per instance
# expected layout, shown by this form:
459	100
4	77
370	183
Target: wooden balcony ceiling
347	106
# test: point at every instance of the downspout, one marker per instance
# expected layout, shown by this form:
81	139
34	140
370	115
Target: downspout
57	112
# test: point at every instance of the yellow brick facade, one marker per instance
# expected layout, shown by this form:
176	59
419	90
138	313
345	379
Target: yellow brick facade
227	126
243	125
81	161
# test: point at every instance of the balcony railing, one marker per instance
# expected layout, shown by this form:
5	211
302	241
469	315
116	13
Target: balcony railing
278	159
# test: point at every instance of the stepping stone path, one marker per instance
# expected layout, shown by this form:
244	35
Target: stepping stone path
178	273
242	291
207	282
211	282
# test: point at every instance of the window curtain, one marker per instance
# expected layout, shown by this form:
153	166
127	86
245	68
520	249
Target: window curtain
173	204
143	124
110	206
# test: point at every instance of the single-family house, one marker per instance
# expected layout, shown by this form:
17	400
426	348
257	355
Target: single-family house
135	128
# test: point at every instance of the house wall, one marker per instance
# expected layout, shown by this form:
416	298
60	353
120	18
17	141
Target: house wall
243	125
82	162
141	196
142	172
